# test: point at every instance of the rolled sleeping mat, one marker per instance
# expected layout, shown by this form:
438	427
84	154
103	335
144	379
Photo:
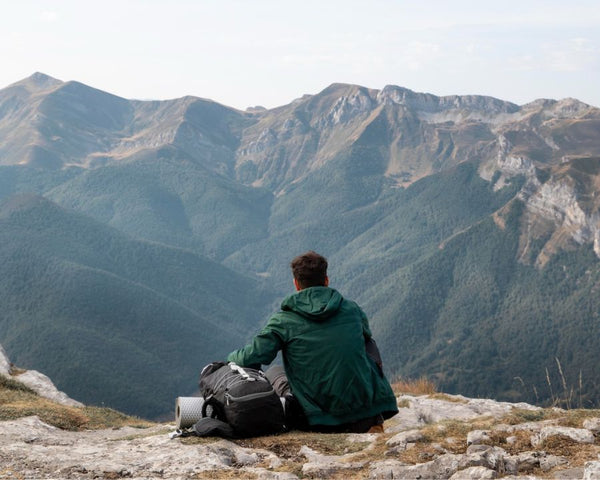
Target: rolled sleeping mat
188	410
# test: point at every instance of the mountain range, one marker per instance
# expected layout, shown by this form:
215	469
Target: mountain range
143	239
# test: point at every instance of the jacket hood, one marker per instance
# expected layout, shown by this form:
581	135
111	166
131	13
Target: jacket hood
315	303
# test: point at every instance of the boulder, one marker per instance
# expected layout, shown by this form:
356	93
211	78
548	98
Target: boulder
592	424
578	435
591	471
44	387
323	466
443	466
475	473
426	409
403	438
478	437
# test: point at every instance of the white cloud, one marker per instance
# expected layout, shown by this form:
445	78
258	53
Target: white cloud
49	16
571	55
419	55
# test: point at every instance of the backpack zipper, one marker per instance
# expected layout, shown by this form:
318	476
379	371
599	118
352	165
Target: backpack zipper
246	398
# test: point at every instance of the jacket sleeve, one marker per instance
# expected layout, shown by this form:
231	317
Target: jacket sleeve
370	345
365	325
263	348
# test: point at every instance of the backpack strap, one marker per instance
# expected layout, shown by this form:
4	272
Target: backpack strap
215	408
213	427
182	432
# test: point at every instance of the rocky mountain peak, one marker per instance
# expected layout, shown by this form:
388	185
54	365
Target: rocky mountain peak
38	82
353	102
571	107
42	79
428	103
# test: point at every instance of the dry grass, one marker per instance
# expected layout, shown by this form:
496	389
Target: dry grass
17	401
420	386
577	453
7	383
521	441
287	445
575	418
518	416
448	398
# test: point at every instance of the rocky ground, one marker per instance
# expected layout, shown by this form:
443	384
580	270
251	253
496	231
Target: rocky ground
435	436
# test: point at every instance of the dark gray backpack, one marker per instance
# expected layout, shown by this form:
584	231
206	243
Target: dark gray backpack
242	398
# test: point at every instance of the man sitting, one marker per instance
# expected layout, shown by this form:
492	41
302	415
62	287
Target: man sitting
335	385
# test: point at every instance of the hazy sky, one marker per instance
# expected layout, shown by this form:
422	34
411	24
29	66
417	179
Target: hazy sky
268	52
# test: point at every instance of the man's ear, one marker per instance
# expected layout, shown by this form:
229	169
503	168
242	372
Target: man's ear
297	285
326	281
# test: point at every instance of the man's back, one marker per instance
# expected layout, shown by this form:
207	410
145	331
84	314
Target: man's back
322	338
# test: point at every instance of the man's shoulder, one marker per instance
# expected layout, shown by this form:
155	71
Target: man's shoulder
352	305
282	316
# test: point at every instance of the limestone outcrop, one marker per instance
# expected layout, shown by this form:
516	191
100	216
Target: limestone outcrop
38	382
434	437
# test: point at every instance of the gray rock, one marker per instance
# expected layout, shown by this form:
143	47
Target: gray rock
522	477
527	426
478	437
387	469
4	363
327	469
262	474
34	449
511	465
362	437
491	457
44	387
405	419
578	435
474	473
403	438
591	471
593	425
477	448
431	410
568	474
442	467
322	466
526	461
548	462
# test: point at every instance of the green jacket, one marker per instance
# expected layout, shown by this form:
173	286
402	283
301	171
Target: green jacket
322	339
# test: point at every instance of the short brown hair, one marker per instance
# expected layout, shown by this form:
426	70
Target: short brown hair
310	269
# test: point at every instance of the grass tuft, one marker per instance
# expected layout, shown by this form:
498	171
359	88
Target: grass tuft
10	384
18	400
420	386
518	416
